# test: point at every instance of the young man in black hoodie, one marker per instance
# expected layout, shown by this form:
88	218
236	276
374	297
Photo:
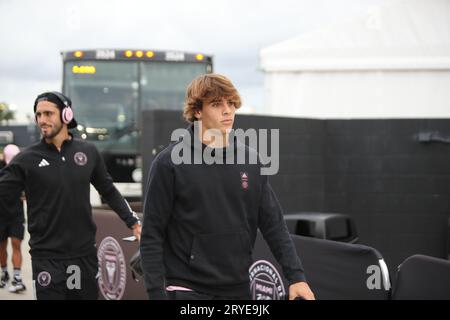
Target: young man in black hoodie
56	174
201	217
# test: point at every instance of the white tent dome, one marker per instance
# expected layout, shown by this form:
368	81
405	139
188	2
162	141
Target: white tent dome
408	34
385	64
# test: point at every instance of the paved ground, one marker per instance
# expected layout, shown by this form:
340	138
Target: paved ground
26	274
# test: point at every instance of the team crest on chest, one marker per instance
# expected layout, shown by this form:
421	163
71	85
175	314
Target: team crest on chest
80	158
244	180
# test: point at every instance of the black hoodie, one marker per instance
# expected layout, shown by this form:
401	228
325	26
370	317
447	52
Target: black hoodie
201	220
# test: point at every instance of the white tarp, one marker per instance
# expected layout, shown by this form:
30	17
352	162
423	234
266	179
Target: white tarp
392	63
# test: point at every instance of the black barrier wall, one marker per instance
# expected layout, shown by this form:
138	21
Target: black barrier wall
396	188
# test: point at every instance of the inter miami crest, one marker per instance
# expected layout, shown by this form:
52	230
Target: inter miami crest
112	269
80	158
44	278
265	282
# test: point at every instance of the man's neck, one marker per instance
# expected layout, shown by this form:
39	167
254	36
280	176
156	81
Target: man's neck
214	138
59	139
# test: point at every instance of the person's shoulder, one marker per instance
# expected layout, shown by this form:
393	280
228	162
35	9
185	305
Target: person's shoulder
81	142
84	145
34	146
25	158
165	155
28	151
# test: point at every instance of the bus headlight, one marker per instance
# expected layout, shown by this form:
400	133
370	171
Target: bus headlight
137	175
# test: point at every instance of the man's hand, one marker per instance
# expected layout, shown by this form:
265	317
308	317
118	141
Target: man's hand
302	290
137	231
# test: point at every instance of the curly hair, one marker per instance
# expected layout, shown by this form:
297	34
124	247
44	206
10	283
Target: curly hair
208	87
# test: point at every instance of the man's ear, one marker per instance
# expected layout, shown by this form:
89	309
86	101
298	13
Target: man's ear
198	114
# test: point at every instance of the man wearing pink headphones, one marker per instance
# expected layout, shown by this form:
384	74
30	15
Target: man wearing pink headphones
14	229
56	174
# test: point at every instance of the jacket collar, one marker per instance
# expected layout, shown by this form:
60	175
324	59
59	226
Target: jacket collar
51	146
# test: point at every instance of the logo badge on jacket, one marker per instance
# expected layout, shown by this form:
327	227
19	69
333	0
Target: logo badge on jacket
244	180
80	158
44	278
43	163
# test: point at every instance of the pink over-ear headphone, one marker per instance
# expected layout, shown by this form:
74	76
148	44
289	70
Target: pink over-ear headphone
66	112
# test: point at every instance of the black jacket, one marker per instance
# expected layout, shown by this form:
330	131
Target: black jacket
14	214
200	224
57	187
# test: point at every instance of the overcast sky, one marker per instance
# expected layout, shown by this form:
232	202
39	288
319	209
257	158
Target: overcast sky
33	33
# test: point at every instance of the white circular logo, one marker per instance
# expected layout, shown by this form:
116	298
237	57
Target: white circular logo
112	269
80	158
265	282
44	278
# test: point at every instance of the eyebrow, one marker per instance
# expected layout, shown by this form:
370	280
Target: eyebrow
220	99
44	111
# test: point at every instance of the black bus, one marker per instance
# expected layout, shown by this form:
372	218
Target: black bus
109	88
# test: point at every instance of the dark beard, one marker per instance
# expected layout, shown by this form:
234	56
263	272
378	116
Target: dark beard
53	133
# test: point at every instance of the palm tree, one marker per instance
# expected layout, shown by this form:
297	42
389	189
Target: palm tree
5	113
